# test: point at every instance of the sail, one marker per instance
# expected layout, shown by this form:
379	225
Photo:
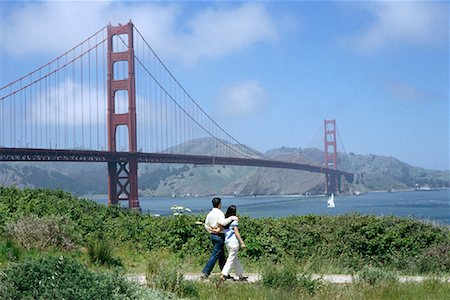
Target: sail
330	201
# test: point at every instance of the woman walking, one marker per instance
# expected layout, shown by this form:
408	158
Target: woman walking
232	241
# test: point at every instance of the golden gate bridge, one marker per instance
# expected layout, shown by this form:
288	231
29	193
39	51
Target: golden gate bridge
111	99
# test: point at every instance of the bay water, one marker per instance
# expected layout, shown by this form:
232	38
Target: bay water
432	206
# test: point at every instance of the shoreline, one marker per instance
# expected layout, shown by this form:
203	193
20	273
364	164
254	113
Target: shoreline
105	196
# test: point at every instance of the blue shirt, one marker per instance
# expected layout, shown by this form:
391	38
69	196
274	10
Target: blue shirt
230	236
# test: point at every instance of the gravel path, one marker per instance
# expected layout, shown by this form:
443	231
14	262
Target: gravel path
254	277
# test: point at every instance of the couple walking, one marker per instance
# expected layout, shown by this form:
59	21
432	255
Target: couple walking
224	230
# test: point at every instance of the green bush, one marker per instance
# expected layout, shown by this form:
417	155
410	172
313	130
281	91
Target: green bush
282	277
62	278
9	251
287	277
101	252
374	276
435	258
166	275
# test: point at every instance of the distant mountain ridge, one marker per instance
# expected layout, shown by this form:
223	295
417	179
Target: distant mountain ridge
372	172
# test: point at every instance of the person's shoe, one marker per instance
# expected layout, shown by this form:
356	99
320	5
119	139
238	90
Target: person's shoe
204	276
227	277
243	278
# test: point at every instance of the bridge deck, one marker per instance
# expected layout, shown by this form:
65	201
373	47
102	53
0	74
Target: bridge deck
26	154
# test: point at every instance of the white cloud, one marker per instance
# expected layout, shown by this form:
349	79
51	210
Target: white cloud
67	104
49	27
215	32
241	98
398	22
55	26
405	92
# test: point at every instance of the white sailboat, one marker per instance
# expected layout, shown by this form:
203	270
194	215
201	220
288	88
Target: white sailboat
330	201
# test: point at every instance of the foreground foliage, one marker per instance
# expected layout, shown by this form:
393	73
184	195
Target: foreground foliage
37	226
349	242
32	232
63	278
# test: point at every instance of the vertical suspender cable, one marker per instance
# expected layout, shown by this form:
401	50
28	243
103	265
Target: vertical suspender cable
90	100
74	106
39	122
105	114
18	121
57	105
66	108
25	118
82	98
166	120
340	139
30	107
13	123
155	110
161	112
96	91
46	144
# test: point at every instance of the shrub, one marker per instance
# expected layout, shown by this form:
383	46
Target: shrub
374	276
165	275
9	251
283	277
63	278
286	277
435	259
307	283
33	232
101	252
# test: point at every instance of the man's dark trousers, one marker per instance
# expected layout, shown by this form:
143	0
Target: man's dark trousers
218	241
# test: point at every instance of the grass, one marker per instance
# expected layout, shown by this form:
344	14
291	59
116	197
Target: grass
280	282
376	285
391	290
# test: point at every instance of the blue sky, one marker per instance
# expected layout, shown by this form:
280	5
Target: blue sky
271	72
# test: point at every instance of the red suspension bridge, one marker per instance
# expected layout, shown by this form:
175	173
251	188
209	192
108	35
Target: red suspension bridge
111	99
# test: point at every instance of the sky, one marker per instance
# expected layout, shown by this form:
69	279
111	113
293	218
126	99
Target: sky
271	72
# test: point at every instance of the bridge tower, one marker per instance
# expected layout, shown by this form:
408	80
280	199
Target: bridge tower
122	172
332	181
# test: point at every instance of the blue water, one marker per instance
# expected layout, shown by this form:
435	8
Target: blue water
433	206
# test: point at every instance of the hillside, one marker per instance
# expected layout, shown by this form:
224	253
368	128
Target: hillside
372	172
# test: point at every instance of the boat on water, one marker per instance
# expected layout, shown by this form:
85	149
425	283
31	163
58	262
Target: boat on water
426	189
330	201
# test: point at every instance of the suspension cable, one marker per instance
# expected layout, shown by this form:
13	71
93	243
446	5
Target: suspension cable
65	53
52	72
252	151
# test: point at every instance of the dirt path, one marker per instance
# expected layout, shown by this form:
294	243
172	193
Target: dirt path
254	277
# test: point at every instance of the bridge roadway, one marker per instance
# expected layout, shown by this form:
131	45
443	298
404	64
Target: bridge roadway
28	154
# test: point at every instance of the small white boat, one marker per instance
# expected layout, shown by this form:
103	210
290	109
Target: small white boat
330	201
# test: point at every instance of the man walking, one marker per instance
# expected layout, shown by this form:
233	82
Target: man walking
214	223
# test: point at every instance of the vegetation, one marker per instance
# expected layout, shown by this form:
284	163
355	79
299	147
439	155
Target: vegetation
286	277
63	278
111	241
101	252
32	232
167	275
347	242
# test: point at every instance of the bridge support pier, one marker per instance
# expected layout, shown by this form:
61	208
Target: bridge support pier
122	182
332	184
